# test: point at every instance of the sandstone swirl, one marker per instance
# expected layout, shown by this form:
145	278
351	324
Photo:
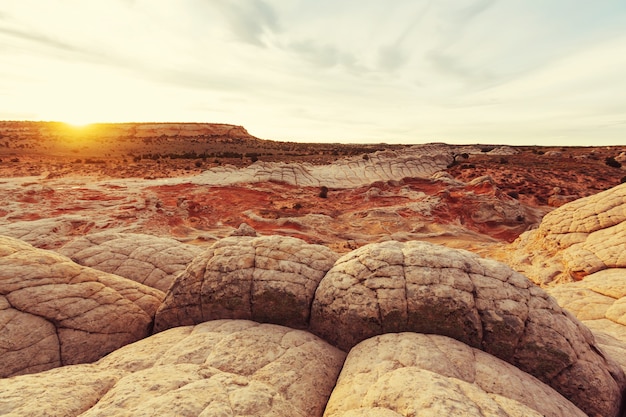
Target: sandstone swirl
419	161
54	312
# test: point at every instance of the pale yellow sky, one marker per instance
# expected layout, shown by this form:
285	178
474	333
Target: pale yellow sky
408	71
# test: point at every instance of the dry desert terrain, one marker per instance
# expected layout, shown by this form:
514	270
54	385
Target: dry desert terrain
192	269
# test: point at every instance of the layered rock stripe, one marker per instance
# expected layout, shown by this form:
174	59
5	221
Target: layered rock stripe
419	161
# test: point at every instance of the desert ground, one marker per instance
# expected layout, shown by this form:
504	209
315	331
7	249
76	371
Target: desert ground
194	269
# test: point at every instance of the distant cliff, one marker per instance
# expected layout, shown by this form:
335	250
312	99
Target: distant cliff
60	138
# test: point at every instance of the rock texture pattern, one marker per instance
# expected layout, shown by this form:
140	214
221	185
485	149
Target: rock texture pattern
417	161
49	233
577	239
267	279
228	367
425	288
149	260
599	301
54	312
410	374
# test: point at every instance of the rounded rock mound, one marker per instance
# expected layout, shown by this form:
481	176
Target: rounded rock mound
149	260
54	312
405	374
424	288
269	279
575	240
218	368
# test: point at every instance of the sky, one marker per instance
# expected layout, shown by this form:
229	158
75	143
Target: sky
519	72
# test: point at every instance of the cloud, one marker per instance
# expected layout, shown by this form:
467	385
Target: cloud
394	56
391	58
473	10
40	39
325	56
454	66
249	20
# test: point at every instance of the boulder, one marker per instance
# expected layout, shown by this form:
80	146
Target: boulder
149	260
424	288
409	374
267	279
575	240
227	367
55	312
599	301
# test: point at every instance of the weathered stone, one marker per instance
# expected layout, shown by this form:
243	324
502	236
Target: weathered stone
149	260
267	279
577	239
54	312
408	374
225	367
416	161
424	288
599	301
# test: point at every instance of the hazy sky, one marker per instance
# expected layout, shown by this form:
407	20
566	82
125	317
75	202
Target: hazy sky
397	71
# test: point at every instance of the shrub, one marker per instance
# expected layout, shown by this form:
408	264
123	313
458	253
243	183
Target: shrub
610	161
323	191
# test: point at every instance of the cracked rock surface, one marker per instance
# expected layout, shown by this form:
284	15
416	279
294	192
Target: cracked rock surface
405	374
575	240
55	312
224	367
149	260
267	279
220	363
425	288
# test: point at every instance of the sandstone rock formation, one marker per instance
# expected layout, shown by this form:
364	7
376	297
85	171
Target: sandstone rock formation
48	233
599	301
54	312
577	239
425	288
149	260
227	367
417	161
266	279
390	287
409	374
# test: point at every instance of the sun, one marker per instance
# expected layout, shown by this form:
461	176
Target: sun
78	122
